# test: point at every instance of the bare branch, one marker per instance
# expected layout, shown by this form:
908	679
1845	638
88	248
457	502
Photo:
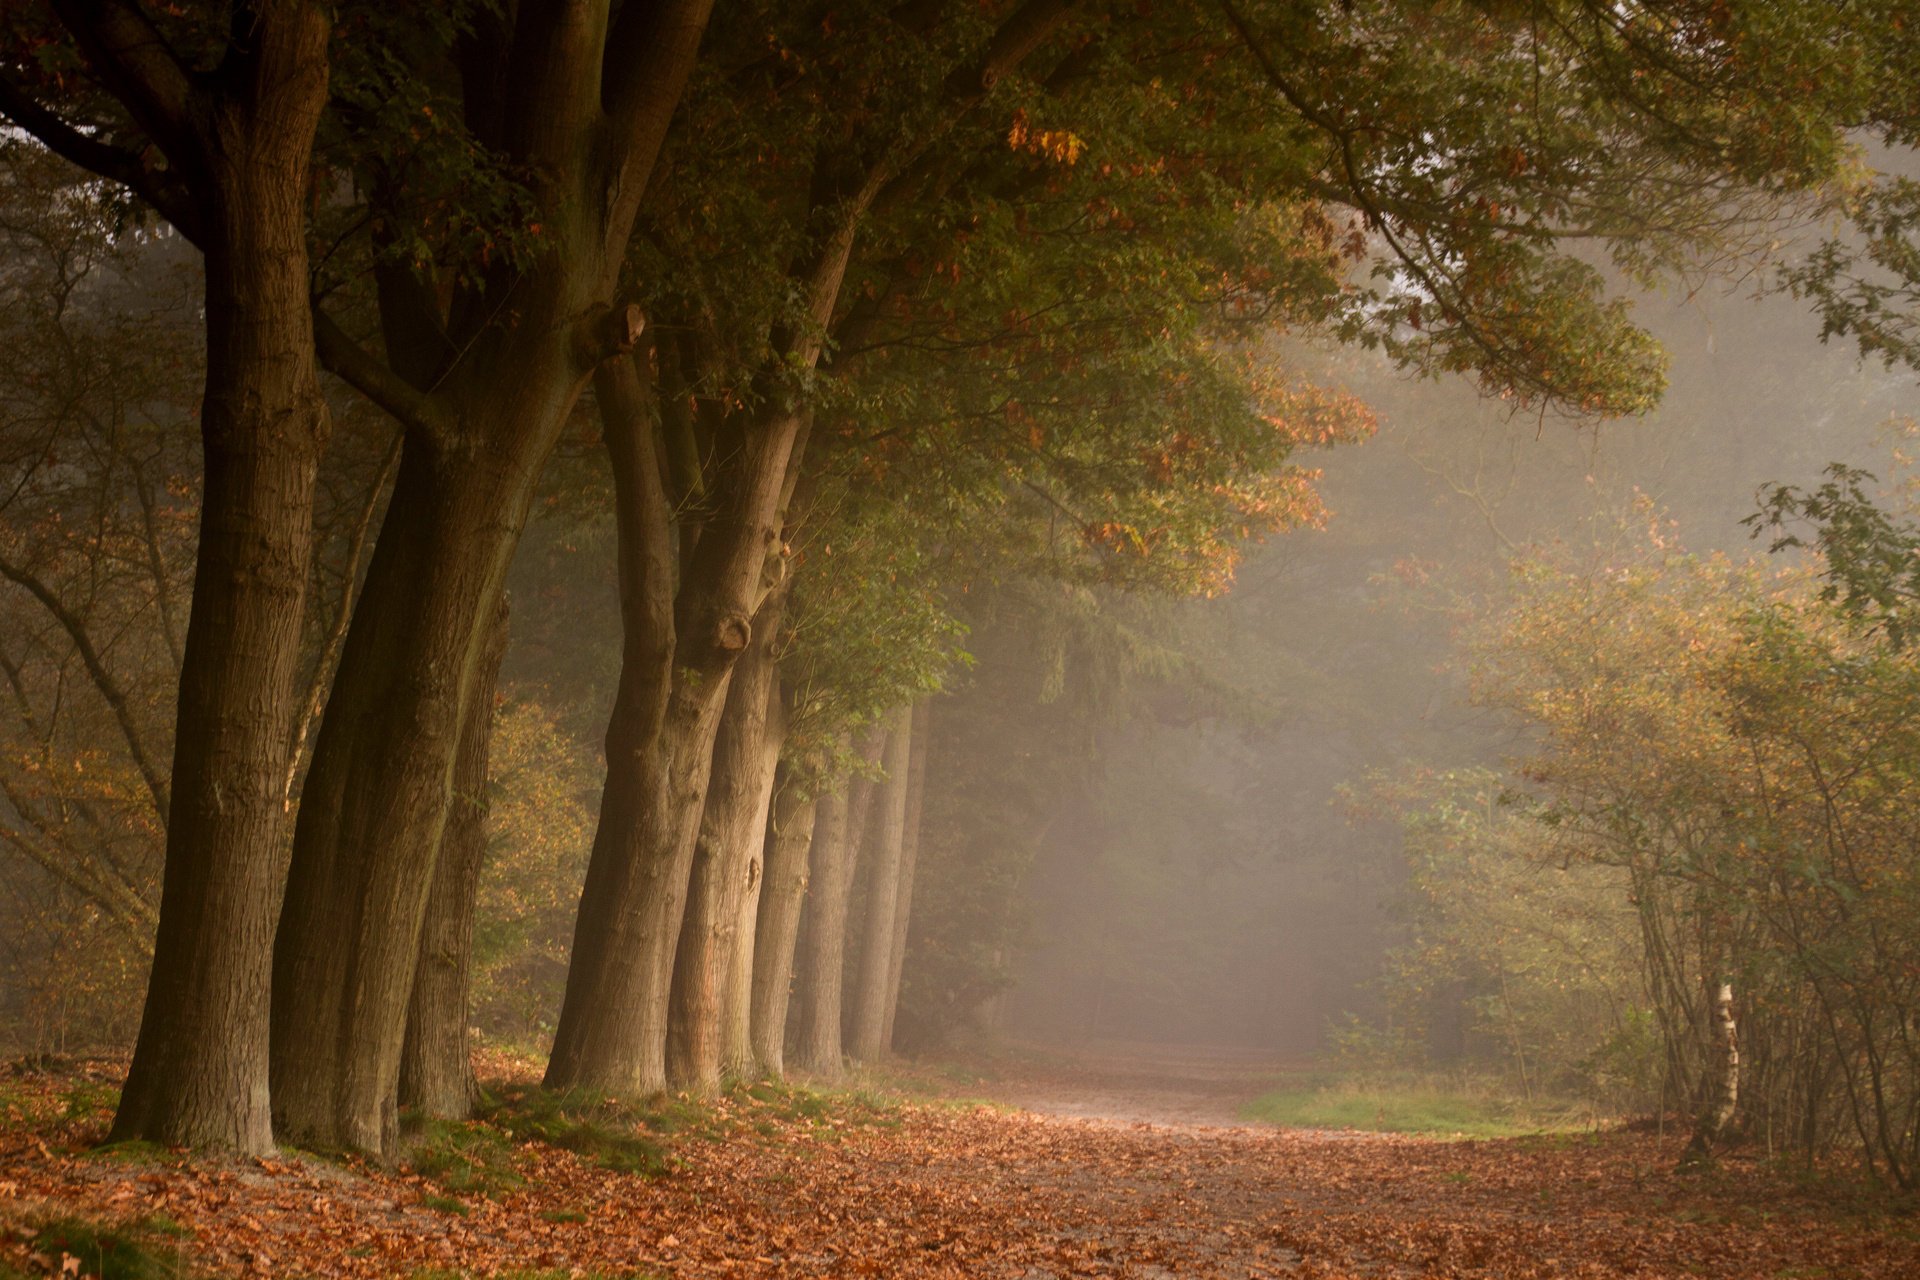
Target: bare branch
353	364
116	697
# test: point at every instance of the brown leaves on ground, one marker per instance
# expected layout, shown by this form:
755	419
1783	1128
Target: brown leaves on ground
975	1192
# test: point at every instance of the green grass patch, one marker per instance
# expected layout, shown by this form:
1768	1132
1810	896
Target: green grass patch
90	1100
139	1250
611	1133
465	1158
446	1204
1433	1105
133	1151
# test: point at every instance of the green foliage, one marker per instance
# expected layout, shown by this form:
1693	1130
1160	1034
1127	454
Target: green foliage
466	1159
539	832
1870	560
1868	287
1516	956
1723	761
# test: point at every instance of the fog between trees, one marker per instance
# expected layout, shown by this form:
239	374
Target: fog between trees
1214	882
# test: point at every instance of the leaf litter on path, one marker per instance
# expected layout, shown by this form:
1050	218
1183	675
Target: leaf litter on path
952	1191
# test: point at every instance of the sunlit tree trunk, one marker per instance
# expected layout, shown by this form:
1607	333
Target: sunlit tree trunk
1723	1079
680	650
726	860
868	1024
909	862
737	1058
823	941
789	838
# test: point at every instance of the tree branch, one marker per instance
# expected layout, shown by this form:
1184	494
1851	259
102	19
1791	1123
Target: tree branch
109	688
115	164
133	58
347	360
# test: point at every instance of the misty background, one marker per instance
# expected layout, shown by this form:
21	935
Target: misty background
1213	880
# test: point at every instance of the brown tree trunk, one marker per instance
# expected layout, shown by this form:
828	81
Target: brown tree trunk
736	1004
790	834
578	100
726	853
864	1039
679	651
374	809
436	1065
199	1070
909	861
823	941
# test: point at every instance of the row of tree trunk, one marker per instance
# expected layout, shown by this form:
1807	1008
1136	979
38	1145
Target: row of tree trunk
290	976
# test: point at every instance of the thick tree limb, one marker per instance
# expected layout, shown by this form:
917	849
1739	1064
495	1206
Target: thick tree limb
115	164
649	54
353	364
130	54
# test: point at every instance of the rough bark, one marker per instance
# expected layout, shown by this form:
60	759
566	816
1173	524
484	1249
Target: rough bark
436	1066
823	942
680	647
726	860
579	100
790	835
199	1070
909	862
374	809
868	1023
736	1003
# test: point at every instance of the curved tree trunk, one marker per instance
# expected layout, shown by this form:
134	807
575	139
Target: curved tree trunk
864	1037
436	1064
579	100
726	854
909	861
680	648
790	834
374	811
199	1070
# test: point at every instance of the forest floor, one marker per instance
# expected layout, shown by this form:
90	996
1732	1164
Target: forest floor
1161	1182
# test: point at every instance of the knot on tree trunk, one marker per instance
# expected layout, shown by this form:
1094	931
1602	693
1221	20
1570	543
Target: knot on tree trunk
732	632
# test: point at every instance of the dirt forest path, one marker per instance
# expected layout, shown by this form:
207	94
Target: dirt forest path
1131	1083
956	1190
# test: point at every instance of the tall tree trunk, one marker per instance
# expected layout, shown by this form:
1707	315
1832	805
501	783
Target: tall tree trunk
736	1004
864	1040
790	834
679	651
199	1070
732	826
374	810
909	861
436	1064
823	941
